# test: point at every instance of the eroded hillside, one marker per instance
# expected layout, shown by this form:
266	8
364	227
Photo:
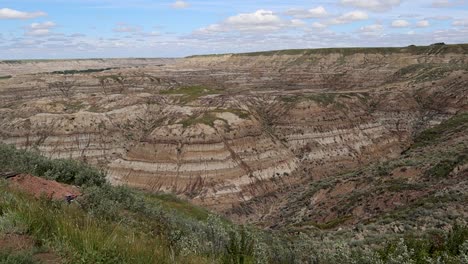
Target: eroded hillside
245	134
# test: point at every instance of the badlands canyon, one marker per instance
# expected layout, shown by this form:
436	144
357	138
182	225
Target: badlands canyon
282	139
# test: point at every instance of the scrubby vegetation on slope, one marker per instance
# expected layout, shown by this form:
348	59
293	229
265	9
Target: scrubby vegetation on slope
190	93
118	225
67	72
432	49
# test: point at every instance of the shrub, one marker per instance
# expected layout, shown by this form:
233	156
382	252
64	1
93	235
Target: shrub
62	170
16	258
445	167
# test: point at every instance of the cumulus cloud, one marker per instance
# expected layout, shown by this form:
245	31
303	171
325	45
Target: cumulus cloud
260	20
460	22
374	29
423	23
400	23
349	17
180	4
40	29
317	12
318	25
441	18
7	13
373	5
447	3
125	28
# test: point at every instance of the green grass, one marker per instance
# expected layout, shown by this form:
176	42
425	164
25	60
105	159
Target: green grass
416	50
7	257
330	224
67	72
324	99
67	171
117	225
172	202
433	135
424	72
399	185
114	224
82	238
190	93
443	168
206	118
242	114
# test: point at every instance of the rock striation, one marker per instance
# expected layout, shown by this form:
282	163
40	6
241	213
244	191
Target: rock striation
223	130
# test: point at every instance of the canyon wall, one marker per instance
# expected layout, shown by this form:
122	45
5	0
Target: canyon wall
224	129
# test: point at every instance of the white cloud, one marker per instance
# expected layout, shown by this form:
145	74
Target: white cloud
40	29
297	23
372	30
124	28
461	22
7	13
259	18
400	23
423	23
373	5
447	3
180	4
441	18
349	17
318	25
259	21
317	12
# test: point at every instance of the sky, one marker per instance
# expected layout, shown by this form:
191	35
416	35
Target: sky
53	29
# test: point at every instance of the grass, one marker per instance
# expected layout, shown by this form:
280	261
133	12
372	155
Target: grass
7	257
399	185
433	135
114	224
325	99
63	170
172	202
206	118
238	112
67	72
82	238
416	50
190	93
117	225
424	72
445	167
333	223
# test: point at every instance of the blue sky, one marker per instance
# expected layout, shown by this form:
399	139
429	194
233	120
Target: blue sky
32	29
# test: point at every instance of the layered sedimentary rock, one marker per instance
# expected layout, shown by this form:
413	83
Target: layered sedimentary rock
223	130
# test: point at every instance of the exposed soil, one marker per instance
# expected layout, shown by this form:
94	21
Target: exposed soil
42	187
15	242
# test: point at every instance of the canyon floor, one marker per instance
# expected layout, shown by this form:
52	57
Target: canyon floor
359	141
